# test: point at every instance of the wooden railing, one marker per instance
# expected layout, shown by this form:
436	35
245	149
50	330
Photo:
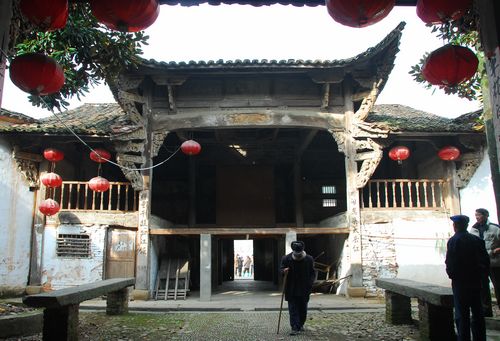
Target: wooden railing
403	193
77	196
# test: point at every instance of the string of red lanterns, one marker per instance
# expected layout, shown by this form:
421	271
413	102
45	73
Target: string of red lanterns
51	180
401	153
98	183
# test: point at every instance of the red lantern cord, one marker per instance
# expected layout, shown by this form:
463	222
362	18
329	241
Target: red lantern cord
46	15
190	147
359	13
449	153
36	74
450	65
49	207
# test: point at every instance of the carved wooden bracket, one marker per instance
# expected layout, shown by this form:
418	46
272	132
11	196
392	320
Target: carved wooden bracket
369	101
468	166
27	164
158	138
339	137
130	172
370	160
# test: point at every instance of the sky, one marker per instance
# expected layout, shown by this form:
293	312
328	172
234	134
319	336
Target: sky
278	32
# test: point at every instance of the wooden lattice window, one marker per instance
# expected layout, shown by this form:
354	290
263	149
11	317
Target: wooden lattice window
73	245
328	191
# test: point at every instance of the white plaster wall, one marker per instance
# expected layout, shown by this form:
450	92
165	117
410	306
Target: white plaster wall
479	192
16	217
59	272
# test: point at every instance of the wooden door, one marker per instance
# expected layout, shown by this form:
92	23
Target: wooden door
120	253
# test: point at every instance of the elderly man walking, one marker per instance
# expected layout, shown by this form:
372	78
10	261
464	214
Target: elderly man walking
299	280
490	233
466	263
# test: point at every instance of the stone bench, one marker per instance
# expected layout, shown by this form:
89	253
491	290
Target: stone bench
435	307
60	314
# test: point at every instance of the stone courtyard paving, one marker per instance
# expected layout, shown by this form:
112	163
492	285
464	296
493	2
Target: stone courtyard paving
235	326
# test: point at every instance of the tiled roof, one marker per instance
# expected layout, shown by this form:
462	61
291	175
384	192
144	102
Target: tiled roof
390	41
264	3
88	119
398	117
11	116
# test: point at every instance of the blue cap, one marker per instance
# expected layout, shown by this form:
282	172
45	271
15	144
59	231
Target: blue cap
460	219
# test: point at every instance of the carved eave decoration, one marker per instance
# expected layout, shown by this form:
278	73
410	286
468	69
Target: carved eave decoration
469	162
27	164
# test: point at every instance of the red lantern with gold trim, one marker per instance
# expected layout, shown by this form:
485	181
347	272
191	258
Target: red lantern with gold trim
126	15
53	155
51	180
399	153
442	11
49	207
100	155
46	15
99	184
36	74
359	13
190	147
450	65
449	153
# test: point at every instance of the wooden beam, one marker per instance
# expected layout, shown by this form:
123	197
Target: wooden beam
245	231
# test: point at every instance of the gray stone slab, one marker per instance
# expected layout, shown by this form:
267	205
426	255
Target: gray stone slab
434	294
77	294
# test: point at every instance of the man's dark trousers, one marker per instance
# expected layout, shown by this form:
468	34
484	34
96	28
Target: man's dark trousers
467	300
297	308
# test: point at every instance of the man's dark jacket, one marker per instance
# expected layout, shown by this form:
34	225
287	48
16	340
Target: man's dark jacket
300	277
466	259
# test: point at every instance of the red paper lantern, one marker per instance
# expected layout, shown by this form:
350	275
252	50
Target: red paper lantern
359	13
450	65
49	207
100	155
190	147
53	155
46	15
36	74
399	153
449	153
126	15
99	184
441	11
51	180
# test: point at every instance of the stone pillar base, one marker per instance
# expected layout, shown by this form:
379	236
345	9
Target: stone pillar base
140	295
356	291
397	308
33	289
61	323
117	302
435	322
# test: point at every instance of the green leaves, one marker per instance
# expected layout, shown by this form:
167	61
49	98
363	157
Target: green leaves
88	52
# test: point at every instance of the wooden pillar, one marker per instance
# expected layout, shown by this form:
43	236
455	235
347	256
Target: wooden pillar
297	191
205	267
352	194
489	14
143	257
192	192
5	17
452	196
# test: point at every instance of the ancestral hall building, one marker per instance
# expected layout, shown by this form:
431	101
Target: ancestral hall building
291	150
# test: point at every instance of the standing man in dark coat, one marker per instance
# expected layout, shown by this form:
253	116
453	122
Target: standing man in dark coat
300	277
466	263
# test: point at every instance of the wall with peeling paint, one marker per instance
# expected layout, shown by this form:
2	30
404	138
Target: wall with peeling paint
61	272
16	217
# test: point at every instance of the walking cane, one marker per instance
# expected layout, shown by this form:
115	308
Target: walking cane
281	306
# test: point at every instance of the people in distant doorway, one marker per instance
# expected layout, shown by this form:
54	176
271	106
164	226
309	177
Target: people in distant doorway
251	265
490	233
298	267
246	266
240	265
236	265
467	262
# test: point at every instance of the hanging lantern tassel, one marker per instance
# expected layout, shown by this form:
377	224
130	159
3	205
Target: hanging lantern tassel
399	154
359	13
450	65
449	153
99	184
49	207
190	147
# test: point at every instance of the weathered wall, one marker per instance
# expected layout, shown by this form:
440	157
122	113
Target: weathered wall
479	192
16	217
59	272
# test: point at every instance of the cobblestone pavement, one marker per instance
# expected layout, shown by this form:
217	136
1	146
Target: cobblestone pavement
257	326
